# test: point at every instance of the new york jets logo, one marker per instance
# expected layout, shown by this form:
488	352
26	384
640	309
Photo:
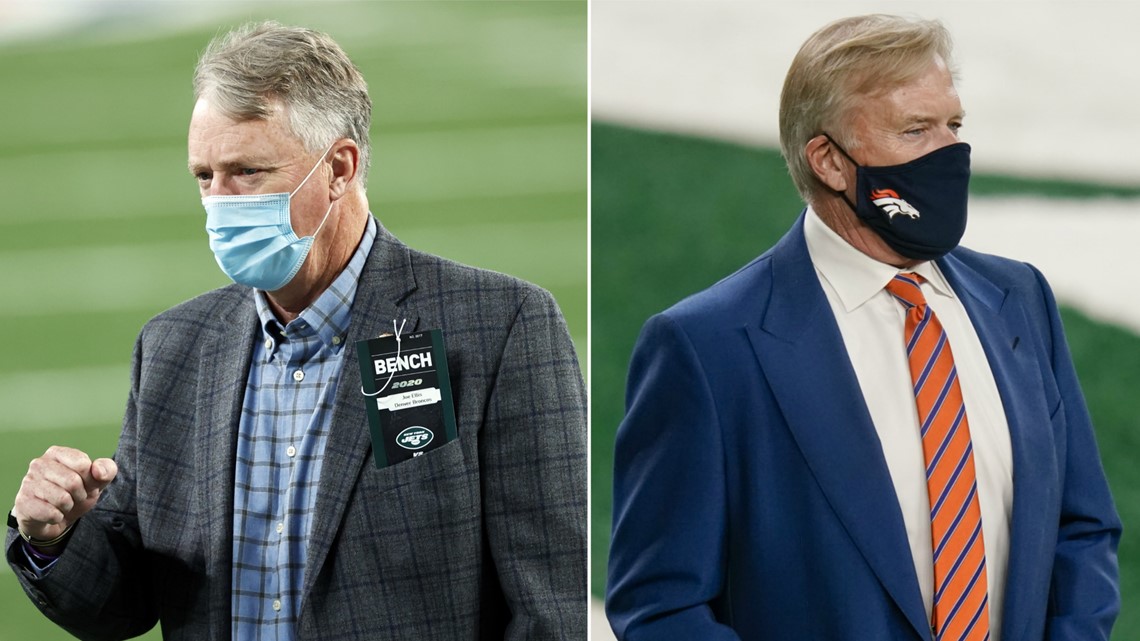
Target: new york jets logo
888	200
414	438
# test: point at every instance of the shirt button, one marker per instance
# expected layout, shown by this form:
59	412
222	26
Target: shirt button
298	376
292	451
277	604
336	340
280	528
269	343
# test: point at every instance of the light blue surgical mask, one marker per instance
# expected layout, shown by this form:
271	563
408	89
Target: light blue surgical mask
252	236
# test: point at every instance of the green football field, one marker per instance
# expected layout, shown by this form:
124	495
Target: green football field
670	215
479	139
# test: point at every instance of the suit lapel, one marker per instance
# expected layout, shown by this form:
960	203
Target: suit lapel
837	438
386	280
225	360
1008	343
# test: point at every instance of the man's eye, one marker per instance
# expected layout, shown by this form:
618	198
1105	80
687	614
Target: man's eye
248	171
202	176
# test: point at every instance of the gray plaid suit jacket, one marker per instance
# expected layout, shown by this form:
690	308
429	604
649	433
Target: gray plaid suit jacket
482	538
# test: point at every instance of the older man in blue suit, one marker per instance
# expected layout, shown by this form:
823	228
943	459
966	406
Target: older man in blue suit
868	432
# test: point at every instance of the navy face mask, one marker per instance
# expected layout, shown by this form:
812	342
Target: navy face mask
918	208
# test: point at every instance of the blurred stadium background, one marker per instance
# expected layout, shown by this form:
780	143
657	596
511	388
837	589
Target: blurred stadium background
479	133
687	185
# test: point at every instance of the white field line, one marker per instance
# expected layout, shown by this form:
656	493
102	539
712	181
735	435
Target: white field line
1086	249
68	397
1042	96
133	277
599	626
63	398
540	251
30	21
118	278
419	166
71	397
430	165
102	278
554	46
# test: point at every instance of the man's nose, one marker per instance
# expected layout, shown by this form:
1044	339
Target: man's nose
946	136
222	185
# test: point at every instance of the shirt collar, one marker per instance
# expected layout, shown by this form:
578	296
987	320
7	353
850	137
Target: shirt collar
328	316
855	276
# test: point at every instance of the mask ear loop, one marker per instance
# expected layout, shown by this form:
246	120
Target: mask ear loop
840	148
393	372
843	151
310	174
327	211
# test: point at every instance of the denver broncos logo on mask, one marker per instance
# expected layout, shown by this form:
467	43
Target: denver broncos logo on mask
937	184
888	200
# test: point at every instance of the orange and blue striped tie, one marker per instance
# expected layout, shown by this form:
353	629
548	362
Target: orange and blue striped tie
961	601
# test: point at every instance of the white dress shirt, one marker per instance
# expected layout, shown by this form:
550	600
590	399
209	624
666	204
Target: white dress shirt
871	322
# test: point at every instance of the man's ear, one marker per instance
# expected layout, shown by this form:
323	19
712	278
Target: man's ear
827	163
345	162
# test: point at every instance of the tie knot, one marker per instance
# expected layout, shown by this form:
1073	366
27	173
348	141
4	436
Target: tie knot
905	286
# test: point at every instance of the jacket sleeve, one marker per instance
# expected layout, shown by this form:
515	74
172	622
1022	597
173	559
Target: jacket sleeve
533	460
97	590
1085	592
667	555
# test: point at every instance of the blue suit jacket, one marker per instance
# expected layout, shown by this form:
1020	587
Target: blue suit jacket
752	499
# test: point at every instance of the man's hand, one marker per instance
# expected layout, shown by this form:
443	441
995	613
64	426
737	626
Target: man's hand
60	486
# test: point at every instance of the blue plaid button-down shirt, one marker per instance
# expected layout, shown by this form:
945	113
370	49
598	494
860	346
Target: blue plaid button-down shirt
281	441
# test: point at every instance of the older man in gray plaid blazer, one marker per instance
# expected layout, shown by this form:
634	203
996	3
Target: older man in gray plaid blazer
481	538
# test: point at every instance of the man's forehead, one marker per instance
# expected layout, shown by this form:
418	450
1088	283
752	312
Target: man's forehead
926	96
220	139
908	104
207	122
232	161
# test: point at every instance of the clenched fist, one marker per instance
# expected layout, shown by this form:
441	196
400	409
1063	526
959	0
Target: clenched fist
60	486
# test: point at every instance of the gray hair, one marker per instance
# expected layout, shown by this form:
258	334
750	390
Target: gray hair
247	72
845	60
